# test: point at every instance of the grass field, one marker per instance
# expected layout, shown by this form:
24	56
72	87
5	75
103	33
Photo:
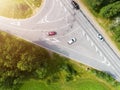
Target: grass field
81	84
19	9
85	80
118	88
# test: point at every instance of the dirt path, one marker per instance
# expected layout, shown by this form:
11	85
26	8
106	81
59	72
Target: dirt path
100	28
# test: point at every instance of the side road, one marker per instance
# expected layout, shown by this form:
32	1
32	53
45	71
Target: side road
100	28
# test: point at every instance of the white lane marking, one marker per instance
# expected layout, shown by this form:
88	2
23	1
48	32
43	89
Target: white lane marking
87	38
52	39
104	60
16	23
83	32
100	54
47	39
55	40
108	63
96	49
92	43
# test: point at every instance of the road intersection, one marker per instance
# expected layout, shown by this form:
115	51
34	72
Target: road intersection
60	16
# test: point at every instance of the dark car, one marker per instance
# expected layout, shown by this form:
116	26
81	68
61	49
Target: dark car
75	5
52	33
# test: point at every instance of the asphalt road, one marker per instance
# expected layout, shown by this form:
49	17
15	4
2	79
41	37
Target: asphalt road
89	28
60	16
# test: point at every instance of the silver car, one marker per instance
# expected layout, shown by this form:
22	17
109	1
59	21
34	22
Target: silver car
72	41
100	37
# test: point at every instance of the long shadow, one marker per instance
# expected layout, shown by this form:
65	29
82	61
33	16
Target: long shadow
51	47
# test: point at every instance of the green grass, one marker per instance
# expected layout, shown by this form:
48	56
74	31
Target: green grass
88	84
118	88
85	80
81	84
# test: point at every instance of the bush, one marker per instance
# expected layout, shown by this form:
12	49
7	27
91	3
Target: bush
103	75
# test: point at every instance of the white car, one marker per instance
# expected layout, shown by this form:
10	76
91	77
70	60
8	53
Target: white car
72	41
100	37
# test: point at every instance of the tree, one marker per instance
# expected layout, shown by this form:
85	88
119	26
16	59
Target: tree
97	5
18	59
110	10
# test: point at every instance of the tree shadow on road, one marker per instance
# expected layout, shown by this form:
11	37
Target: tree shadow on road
51	47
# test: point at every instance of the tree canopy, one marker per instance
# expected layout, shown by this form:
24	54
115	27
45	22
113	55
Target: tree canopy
106	8
18	58
110	10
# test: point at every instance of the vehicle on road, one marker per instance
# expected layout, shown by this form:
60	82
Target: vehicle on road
100	37
75	5
52	33
72	41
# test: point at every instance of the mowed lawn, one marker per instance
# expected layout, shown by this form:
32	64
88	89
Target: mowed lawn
81	84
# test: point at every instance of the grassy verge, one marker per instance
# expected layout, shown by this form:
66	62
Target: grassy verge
19	9
80	84
84	80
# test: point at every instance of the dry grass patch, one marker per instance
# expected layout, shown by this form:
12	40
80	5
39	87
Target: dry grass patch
19	9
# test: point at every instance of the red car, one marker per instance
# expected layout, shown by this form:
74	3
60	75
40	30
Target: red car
52	33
